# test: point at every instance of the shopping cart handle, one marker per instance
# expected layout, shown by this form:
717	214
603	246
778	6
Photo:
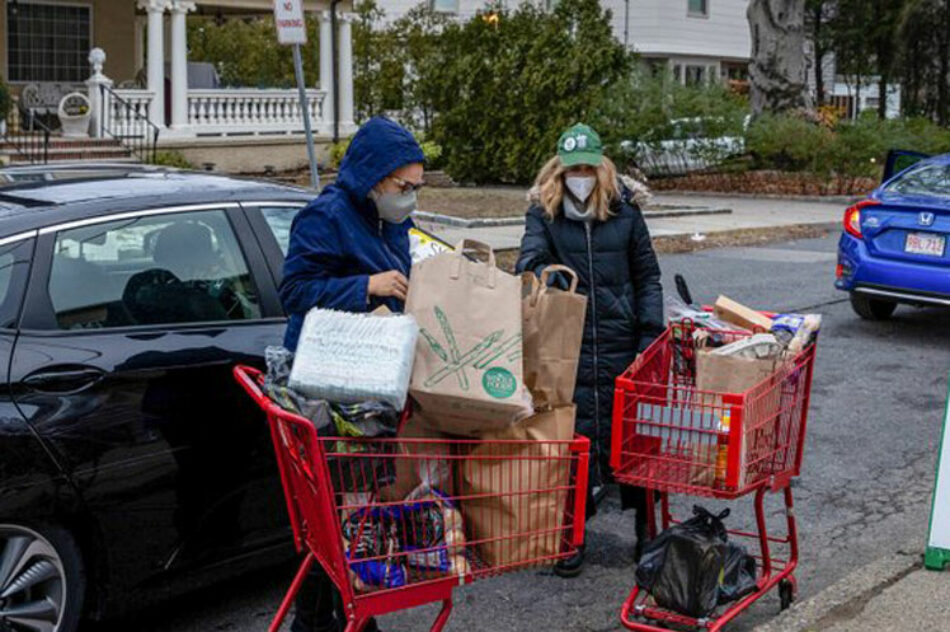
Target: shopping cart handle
249	378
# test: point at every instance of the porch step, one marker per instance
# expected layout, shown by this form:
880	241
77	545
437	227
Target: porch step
75	150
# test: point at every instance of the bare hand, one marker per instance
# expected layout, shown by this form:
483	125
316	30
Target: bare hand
391	283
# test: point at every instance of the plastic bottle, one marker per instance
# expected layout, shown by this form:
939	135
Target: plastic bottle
722	454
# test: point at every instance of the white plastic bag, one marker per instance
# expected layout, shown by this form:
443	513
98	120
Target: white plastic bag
350	358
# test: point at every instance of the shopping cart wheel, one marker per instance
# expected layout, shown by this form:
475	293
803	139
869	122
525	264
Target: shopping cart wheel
786	593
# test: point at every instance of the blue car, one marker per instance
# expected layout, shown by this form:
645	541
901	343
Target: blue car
894	246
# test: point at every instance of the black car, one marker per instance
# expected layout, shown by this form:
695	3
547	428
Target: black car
131	465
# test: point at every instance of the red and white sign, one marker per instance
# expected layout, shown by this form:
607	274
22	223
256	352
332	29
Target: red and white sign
291	27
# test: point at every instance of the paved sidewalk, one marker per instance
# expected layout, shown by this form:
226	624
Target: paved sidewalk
747	213
919	602
893	594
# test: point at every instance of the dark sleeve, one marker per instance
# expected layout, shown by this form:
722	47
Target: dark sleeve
536	248
313	269
645	273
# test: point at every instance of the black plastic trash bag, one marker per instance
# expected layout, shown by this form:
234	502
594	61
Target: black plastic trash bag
691	567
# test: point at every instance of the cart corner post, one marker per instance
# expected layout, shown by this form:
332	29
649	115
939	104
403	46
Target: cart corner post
937	556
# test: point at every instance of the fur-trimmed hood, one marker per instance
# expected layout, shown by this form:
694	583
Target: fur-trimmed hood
631	190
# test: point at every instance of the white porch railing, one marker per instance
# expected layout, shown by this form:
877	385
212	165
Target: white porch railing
251	111
125	116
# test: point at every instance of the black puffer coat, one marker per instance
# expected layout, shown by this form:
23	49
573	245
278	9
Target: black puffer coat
618	271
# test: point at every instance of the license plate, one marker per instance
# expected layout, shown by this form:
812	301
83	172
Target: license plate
925	244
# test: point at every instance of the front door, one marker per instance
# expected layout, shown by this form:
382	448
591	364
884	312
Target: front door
132	325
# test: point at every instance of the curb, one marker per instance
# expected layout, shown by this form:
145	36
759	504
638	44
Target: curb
735	238
846	599
493	222
739	237
830	199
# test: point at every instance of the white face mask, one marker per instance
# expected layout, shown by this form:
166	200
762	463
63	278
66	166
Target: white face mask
581	186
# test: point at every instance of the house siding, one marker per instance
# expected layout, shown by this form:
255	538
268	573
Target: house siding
657	28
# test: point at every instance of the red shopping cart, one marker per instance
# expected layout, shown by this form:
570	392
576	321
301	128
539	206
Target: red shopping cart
671	437
397	523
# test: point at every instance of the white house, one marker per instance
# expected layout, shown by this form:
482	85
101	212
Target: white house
698	39
46	52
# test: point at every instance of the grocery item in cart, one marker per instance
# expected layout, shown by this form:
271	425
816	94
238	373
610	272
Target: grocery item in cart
468	362
373	533
757	347
279	361
796	331
553	332
738	314
351	358
433	533
518	491
686	568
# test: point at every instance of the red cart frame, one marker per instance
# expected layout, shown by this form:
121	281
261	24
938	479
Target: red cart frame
519	503
671	437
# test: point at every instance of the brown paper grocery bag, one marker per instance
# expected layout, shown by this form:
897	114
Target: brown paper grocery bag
720	375
516	517
468	362
420	454
553	333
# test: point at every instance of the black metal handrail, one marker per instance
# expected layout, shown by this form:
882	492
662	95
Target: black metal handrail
134	131
27	135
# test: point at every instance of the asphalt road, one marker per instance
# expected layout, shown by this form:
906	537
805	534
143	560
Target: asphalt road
878	395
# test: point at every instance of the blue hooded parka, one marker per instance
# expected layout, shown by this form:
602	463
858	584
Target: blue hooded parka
338	241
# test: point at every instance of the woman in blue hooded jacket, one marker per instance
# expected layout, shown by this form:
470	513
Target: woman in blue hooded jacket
349	250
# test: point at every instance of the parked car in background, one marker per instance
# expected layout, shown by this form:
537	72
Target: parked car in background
132	467
894	246
685	145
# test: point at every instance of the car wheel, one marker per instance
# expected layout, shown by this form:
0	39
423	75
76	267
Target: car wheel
42	583
871	308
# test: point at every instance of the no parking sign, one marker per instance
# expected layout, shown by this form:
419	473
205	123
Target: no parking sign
938	544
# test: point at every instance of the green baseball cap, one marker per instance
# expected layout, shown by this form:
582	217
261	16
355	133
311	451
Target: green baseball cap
580	145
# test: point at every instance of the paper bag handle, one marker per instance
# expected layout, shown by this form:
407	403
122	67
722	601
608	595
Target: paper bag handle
547	272
479	247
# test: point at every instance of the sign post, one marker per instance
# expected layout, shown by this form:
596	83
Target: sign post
937	556
292	30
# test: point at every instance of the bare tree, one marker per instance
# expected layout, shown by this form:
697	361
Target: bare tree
777	71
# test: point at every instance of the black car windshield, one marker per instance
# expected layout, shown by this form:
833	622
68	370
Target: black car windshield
928	180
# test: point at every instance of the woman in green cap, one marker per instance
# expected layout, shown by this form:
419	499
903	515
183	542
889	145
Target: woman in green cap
586	217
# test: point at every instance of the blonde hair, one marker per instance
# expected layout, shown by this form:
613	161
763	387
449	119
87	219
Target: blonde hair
550	185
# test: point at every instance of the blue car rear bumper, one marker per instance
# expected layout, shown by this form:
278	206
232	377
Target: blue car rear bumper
890	279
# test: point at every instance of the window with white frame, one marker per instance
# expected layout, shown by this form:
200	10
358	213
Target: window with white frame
698	8
48	42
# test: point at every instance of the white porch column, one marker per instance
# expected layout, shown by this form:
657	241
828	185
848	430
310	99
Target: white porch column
155	60
346	73
326	69
98	98
179	54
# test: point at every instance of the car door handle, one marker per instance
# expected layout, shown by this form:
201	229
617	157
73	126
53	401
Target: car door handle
65	379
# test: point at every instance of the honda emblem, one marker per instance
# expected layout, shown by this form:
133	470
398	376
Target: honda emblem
926	219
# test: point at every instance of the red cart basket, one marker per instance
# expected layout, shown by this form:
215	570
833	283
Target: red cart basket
670	437
474	509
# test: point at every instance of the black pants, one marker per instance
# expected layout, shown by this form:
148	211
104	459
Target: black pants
630	498
318	605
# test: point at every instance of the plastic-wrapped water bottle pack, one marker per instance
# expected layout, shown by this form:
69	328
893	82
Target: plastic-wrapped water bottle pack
351	358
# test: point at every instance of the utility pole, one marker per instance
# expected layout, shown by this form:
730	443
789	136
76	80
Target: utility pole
626	24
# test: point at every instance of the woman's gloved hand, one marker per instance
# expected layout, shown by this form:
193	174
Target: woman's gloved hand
385	284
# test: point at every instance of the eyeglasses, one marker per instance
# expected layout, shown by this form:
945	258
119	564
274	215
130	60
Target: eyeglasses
407	187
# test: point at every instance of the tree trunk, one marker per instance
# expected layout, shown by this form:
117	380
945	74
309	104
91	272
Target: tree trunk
777	72
942	113
819	49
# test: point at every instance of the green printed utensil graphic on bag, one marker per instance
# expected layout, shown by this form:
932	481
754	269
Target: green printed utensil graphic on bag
453	346
497	382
